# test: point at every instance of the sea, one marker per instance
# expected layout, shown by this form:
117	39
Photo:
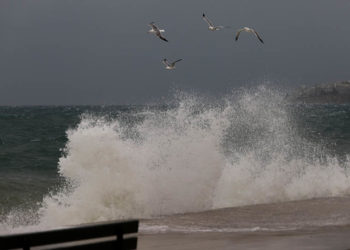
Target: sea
187	165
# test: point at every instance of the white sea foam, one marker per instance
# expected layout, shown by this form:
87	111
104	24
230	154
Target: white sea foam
194	229
194	157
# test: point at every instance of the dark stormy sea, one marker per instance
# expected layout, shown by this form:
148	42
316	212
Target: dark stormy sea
250	156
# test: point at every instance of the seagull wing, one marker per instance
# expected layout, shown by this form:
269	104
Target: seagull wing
207	20
162	37
173	63
238	33
165	62
257	35
153	26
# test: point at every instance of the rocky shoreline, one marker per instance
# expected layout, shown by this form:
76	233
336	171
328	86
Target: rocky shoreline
332	93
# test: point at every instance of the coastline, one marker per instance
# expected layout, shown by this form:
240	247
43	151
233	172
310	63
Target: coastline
319	223
331	93
330	237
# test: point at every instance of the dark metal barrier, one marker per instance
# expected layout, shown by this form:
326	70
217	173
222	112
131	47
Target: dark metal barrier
102	235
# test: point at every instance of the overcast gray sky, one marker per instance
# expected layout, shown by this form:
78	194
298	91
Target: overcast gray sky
99	52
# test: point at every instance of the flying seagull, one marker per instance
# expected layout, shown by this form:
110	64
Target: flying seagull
246	29
211	25
170	65
154	30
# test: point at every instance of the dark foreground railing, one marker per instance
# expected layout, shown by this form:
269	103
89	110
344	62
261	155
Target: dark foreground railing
103	235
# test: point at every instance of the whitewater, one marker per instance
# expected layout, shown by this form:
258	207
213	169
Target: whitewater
196	155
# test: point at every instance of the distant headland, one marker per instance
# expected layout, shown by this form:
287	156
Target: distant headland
331	93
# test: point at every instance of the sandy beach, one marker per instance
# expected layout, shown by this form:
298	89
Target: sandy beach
321	223
325	238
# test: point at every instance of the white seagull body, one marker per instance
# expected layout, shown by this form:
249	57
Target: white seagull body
170	65
210	24
158	32
250	30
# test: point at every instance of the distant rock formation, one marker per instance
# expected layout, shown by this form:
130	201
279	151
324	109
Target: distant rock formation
333	93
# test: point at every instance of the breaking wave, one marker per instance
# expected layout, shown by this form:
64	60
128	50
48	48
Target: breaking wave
197	155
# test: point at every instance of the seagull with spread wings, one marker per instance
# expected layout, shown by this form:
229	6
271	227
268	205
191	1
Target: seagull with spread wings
158	32
250	30
211	26
170	65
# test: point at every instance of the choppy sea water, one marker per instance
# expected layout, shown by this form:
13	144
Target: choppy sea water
70	165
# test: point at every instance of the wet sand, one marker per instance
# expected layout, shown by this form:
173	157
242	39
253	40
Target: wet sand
323	238
322	223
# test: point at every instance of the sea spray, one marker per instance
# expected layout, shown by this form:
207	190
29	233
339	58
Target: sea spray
194	156
170	164
270	162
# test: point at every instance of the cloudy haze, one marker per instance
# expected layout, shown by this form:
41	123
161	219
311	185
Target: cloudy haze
99	52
